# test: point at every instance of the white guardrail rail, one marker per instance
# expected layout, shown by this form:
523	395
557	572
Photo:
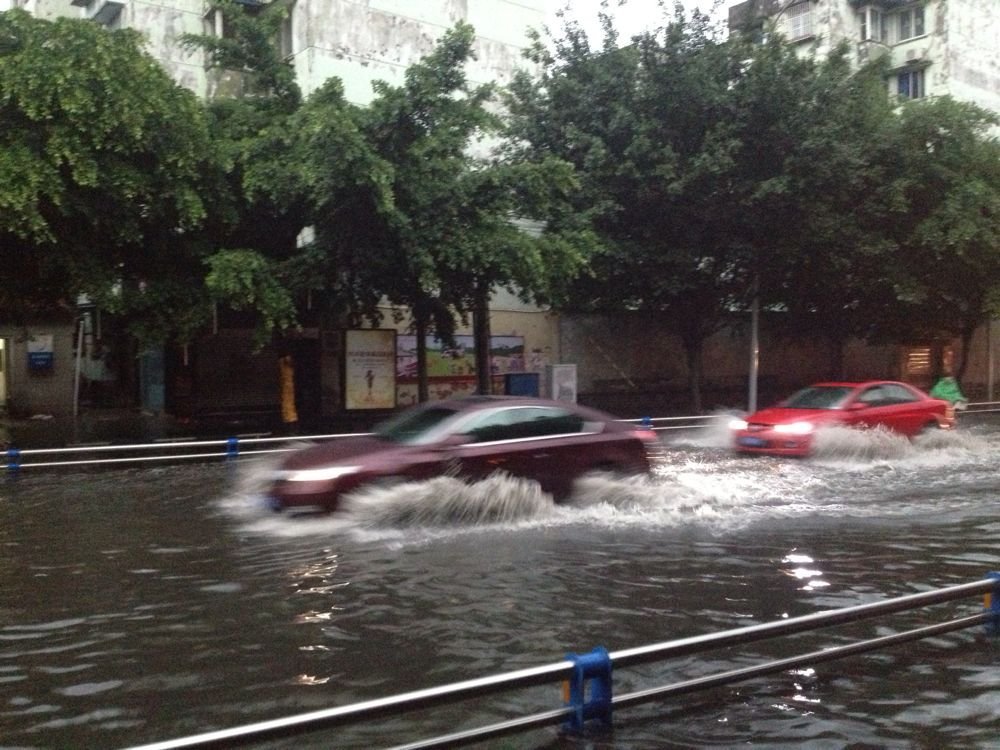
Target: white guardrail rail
189	449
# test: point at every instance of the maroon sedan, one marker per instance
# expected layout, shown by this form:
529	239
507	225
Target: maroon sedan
551	442
788	428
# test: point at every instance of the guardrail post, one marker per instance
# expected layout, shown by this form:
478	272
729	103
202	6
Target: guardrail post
232	448
647	422
992	604
593	668
13	464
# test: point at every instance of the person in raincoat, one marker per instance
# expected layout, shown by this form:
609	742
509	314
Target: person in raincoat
947	389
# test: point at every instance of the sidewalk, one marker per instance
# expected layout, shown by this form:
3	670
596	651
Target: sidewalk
90	427
97	426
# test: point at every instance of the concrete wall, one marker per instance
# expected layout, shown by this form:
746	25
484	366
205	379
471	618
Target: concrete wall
361	42
631	365
971	29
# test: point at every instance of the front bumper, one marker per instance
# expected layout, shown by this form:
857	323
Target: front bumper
771	443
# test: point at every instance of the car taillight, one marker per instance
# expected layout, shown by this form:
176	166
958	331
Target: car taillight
648	436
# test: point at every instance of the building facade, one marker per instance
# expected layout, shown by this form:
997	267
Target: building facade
933	47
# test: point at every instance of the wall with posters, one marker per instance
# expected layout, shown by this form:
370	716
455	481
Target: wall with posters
451	370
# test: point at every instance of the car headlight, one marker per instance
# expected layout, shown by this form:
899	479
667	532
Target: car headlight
737	424
795	428
319	475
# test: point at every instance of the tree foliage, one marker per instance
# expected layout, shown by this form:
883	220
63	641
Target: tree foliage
406	206
722	171
103	160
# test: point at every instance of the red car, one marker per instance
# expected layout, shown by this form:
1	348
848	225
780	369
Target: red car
788	428
551	442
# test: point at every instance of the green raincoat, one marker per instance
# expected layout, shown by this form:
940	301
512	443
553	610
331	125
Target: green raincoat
947	389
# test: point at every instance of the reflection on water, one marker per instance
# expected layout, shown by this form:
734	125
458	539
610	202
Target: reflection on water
144	605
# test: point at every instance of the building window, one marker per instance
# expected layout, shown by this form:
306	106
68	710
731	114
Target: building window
873	25
910	23
800	21
220	25
910	84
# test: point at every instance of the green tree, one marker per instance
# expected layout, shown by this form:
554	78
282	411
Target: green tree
653	129
257	212
406	209
823	260
944	216
103	164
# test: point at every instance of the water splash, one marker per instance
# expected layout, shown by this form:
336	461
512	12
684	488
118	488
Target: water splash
714	433
699	481
446	501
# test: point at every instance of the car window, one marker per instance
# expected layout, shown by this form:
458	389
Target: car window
414	426
898	394
523	422
818	397
872	396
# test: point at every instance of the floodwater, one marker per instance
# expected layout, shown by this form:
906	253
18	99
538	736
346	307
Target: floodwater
146	605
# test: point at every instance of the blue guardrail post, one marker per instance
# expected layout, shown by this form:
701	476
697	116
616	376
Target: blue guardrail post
13	464
593	669
992	604
647	422
232	448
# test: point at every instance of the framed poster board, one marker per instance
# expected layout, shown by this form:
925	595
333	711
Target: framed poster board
370	369
40	352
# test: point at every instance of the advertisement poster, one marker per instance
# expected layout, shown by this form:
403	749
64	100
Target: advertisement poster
370	369
40	356
451	370
506	355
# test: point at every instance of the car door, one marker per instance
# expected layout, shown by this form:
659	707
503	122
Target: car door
888	405
533	442
905	411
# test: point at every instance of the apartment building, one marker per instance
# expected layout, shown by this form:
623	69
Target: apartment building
358	41
934	47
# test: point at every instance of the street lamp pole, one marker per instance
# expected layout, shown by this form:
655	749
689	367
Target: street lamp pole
754	344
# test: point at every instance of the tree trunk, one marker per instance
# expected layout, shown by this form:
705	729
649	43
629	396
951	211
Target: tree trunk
693	348
963	363
836	365
420	329
481	333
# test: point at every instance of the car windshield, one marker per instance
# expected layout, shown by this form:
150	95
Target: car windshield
413	426
819	397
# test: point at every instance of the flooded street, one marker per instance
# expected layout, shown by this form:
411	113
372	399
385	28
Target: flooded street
151	604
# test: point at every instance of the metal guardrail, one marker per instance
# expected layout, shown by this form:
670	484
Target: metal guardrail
588	692
229	448
233	447
982	407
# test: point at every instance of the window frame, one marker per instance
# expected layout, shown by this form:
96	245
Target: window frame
799	21
909	23
916	83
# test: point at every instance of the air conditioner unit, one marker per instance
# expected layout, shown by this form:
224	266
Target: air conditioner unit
916	55
101	11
